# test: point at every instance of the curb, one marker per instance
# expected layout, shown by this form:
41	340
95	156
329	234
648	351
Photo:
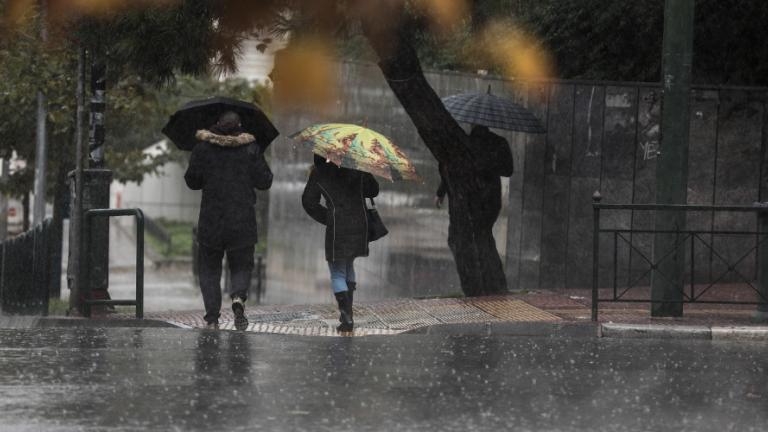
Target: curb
658	331
49	322
605	330
740	333
26	322
573	330
654	331
533	329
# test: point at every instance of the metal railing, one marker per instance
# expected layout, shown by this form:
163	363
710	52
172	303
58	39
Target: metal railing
138	302
684	239
25	276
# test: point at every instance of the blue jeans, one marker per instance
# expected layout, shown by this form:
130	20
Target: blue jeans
341	272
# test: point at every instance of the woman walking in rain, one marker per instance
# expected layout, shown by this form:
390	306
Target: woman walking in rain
346	226
227	165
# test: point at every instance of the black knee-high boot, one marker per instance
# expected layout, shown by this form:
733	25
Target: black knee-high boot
352	287
345	312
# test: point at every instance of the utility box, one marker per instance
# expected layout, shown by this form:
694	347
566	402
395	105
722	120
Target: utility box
94	262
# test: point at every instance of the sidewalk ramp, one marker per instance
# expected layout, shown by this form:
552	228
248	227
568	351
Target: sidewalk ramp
381	318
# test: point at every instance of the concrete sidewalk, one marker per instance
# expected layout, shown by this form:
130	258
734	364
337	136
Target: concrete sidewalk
379	318
541	313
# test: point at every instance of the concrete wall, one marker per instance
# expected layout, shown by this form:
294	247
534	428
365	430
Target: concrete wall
601	136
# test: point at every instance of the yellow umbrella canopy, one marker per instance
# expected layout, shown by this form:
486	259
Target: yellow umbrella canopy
357	147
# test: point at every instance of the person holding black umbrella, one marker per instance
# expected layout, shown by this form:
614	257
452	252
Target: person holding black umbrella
491	152
227	164
493	158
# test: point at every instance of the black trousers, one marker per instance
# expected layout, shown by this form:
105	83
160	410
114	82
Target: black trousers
240	262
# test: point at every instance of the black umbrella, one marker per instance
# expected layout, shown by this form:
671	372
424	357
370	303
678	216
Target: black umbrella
202	114
488	110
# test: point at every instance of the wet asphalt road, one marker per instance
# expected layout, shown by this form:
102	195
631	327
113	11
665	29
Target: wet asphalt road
171	379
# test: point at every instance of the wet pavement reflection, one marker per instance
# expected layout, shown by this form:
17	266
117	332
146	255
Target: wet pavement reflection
170	379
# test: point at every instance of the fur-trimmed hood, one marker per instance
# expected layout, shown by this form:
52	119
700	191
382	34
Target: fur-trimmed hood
225	140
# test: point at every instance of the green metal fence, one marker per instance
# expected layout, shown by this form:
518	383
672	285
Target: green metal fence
685	248
25	276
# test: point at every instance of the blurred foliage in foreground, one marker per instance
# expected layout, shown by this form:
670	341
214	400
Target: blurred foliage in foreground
617	40
139	100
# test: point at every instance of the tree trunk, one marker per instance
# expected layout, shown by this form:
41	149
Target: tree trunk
470	239
470	235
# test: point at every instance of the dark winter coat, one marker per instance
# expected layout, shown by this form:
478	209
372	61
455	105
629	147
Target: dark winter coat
493	159
227	168
344	214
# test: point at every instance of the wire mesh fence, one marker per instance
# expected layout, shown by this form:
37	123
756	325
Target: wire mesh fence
25	277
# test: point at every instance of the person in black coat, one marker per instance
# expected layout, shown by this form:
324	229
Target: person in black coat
227	165
345	218
493	158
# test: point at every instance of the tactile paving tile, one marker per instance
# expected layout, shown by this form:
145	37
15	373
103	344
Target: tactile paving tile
364	318
317	331
280	316
512	310
303	323
454	311
382	318
402	314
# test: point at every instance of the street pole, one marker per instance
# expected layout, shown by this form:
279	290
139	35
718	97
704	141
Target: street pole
41	148
74	269
88	272
95	183
672	162
98	107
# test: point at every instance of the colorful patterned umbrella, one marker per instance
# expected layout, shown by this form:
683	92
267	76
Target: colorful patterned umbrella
357	147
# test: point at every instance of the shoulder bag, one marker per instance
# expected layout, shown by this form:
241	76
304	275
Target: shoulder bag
376	228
